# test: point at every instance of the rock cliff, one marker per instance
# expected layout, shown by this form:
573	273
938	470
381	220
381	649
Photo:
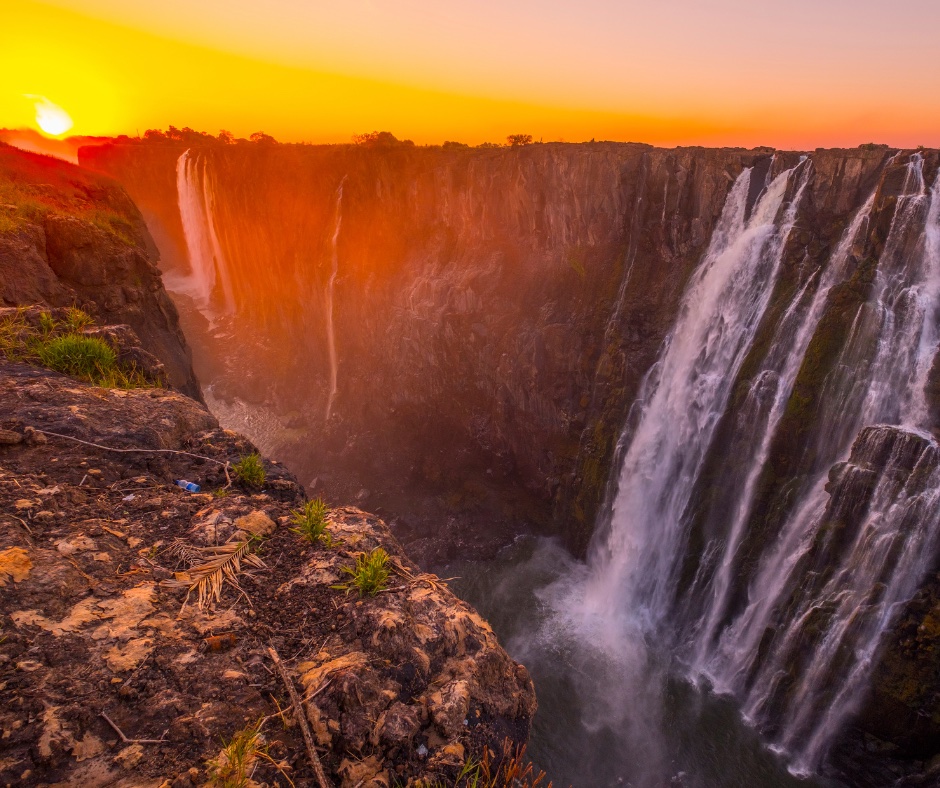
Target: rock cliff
117	667
111	676
69	237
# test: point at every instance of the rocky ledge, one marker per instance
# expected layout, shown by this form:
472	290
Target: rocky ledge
111	675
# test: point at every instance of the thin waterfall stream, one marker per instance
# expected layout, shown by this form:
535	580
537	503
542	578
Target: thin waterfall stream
331	284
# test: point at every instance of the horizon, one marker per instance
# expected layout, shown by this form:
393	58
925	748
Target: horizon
682	76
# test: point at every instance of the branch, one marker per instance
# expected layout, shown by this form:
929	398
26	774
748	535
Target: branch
301	719
124	738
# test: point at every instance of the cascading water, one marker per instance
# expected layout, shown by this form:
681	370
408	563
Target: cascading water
330	334
634	559
763	408
799	653
208	282
876	381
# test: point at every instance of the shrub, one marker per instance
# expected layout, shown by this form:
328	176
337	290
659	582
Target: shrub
370	574
87	358
249	470
310	522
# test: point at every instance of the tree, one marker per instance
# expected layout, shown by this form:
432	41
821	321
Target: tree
519	139
226	137
262	138
377	139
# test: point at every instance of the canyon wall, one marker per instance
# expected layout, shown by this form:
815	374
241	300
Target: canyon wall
493	311
485	333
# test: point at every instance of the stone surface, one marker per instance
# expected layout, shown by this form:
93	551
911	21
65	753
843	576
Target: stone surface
92	622
78	240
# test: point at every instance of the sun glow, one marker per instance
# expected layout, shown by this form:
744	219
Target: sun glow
50	117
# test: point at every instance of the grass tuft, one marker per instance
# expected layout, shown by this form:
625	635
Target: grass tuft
76	319
249	470
310	522
87	358
59	345
234	765
369	575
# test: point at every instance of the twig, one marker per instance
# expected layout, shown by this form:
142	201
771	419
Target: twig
23	523
317	691
145	451
301	719
124	738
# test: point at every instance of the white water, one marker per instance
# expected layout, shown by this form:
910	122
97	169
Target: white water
330	333
208	282
774	382
879	378
633	563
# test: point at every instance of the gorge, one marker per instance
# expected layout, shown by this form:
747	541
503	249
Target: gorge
710	374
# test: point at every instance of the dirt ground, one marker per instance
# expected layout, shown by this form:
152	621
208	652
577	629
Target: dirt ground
108	678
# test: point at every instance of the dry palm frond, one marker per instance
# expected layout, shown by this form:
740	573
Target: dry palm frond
433	581
224	564
183	551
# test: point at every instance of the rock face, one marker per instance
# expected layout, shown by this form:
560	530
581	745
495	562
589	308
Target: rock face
474	328
493	312
404	685
69	237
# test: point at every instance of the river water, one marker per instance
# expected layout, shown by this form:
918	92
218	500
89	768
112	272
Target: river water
609	716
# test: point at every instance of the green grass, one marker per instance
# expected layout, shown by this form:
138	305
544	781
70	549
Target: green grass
249	470
76	319
59	345
310	522
23	203
369	575
86	358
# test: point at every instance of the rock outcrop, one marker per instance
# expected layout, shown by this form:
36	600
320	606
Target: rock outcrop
69	237
111	675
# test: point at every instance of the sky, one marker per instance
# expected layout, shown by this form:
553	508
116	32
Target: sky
801	74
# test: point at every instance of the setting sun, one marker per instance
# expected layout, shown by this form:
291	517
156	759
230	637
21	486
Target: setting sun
50	117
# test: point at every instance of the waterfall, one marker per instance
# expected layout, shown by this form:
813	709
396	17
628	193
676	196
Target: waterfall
633	558
208	282
330	334
763	408
875	381
862	518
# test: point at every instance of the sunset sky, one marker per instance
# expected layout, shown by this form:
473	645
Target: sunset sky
803	74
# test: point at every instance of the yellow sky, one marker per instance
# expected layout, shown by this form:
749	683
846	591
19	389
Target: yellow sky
661	72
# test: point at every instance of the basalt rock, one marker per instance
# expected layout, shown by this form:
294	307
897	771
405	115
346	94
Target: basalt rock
74	238
110	674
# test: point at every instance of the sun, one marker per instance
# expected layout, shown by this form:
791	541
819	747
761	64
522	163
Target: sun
50	117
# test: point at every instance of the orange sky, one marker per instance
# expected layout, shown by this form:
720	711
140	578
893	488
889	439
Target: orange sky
806	74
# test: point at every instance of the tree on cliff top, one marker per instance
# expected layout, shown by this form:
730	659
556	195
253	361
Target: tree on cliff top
379	139
519	139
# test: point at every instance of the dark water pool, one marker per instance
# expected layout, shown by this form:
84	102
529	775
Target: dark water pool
612	711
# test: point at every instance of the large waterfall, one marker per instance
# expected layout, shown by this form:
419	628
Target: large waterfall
209	280
795	646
